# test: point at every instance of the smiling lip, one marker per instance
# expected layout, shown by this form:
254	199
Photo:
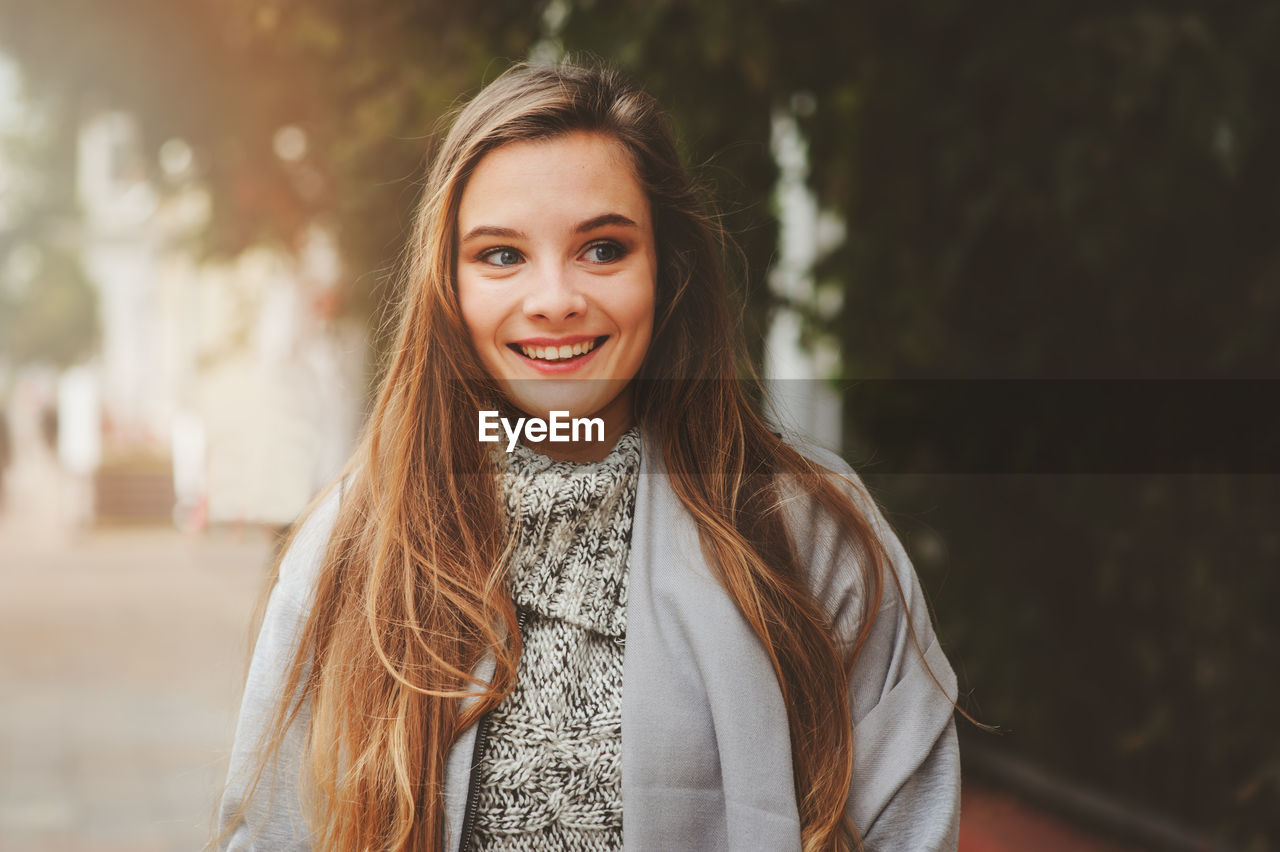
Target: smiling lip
562	365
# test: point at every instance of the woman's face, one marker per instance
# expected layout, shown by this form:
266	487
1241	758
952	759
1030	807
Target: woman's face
557	275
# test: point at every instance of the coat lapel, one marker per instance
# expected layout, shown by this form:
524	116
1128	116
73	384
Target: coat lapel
706	753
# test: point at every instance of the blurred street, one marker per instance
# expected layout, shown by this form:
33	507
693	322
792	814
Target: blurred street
122	652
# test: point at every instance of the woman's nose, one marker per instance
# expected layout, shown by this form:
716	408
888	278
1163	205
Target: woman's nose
553	295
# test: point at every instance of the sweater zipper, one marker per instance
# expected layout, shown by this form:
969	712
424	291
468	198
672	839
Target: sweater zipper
477	755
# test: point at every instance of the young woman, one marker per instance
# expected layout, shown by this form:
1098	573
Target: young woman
678	631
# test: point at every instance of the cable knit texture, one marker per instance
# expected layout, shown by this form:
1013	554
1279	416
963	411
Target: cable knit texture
551	776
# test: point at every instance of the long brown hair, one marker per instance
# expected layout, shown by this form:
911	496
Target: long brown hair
411	596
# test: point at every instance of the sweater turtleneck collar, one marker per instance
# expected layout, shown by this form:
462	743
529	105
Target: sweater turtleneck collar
573	533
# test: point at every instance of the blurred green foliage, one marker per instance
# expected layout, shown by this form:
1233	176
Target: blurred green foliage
1058	189
48	308
1061	189
53	318
1121	629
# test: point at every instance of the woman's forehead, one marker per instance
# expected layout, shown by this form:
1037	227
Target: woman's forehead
563	179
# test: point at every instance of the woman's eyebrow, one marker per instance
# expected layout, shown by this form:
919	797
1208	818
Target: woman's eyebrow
582	227
494	231
601	221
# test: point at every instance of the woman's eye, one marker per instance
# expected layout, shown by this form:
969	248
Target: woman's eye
501	257
604	253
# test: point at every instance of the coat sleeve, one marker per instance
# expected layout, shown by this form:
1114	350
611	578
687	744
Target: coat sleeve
905	793
269	815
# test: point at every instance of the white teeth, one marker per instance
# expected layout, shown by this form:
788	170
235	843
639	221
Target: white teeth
557	353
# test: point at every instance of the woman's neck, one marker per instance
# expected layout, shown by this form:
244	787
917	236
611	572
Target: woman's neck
617	417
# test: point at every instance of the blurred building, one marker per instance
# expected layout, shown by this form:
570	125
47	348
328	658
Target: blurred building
223	391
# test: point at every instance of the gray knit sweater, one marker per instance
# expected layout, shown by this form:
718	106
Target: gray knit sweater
551	775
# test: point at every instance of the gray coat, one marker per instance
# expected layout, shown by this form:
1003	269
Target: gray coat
706	754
